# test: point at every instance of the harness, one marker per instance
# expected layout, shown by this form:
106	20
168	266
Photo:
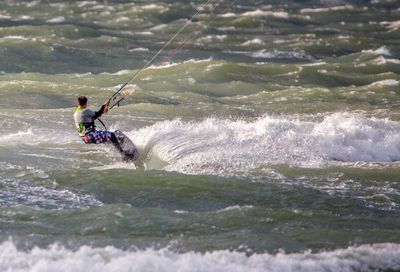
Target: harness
84	128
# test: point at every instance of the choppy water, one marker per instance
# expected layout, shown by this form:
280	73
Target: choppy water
271	142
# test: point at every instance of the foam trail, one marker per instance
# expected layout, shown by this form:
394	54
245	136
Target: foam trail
215	146
375	257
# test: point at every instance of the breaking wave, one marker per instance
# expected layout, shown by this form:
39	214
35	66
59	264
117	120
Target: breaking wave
217	146
377	257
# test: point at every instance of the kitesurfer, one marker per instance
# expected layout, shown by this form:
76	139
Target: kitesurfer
84	121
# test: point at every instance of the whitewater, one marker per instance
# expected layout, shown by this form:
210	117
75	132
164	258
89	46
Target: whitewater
268	132
363	258
215	146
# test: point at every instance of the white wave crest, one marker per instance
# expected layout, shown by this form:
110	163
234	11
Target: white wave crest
14	37
228	15
34	136
215	146
383	50
5	16
56	20
366	258
152	6
386	82
318	10
139	49
253	41
173	64
4	139
275	54
381	60
392	26
266	13
21	190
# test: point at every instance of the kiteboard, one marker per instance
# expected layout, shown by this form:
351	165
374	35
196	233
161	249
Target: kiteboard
129	150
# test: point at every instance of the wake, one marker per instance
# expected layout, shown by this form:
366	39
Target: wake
215	146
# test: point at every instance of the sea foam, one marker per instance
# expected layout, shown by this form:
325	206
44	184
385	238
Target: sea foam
330	9
263	13
275	54
392	26
375	257
56	20
383	50
218	146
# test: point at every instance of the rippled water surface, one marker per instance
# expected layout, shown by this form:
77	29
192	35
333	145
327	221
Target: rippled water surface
269	134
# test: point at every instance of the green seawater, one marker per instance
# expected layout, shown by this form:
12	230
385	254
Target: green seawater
268	132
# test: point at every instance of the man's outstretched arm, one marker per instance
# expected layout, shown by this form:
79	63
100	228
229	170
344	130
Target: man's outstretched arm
103	109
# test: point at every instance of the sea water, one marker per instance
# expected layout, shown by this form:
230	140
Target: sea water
269	134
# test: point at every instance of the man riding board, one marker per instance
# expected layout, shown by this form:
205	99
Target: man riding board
84	121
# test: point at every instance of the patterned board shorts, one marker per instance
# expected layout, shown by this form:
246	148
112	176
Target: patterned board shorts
97	137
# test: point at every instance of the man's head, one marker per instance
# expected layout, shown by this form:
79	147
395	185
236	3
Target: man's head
82	101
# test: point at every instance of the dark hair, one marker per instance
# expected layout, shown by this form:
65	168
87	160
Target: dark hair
82	100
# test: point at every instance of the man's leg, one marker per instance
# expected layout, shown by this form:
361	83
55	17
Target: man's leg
102	136
106	136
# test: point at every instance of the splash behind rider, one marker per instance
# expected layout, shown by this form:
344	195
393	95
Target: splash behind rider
85	125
